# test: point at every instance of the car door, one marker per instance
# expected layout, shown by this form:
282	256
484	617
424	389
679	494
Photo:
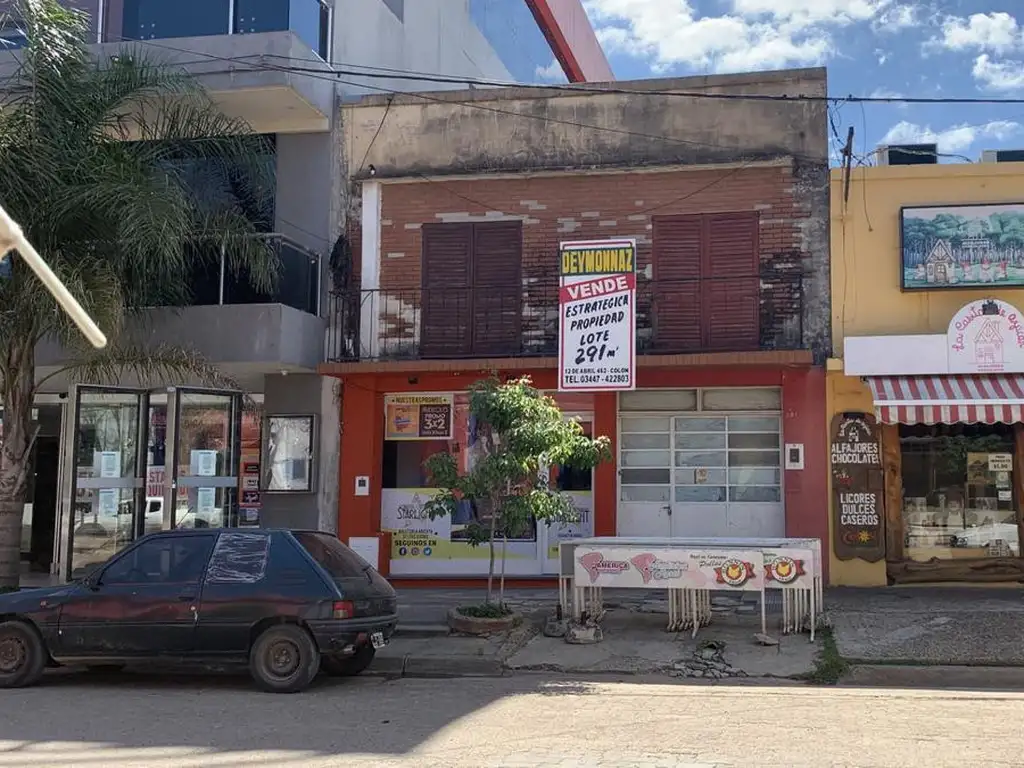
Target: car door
235	594
143	604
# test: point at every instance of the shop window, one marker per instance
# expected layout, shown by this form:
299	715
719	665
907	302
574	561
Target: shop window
696	459
958	499
741	399
404	479
659	400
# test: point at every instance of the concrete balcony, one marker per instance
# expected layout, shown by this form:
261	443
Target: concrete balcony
246	334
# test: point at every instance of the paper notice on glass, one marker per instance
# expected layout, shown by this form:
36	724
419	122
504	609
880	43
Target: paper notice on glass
110	463
1000	462
203	463
108	501
1006	495
206	500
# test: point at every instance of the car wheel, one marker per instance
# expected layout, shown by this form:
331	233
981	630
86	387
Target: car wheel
284	659
349	666
22	655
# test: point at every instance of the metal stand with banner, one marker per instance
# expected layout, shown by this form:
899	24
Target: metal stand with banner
597	315
690	570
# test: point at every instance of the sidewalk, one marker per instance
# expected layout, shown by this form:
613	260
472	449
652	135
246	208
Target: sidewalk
954	626
635	640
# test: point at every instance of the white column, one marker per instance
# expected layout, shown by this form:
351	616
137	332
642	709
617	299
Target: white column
369	336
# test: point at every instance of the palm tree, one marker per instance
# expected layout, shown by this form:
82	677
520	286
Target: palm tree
94	157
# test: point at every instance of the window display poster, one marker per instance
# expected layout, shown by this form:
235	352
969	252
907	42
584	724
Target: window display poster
109	463
581	529
203	463
108	501
418	416
415	535
206	501
249	478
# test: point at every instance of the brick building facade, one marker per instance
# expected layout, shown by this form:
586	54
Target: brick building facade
458	278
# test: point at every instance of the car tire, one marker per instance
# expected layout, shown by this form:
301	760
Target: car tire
284	659
349	666
22	655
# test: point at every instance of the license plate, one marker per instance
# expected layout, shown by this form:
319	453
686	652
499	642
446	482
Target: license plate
377	640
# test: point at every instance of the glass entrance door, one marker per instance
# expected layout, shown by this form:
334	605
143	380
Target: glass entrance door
103	484
203	466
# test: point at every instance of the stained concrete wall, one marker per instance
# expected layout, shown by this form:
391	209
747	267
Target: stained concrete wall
517	129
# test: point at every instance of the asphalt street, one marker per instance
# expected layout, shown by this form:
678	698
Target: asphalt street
535	721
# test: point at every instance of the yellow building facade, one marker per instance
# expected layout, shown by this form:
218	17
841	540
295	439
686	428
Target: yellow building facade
926	385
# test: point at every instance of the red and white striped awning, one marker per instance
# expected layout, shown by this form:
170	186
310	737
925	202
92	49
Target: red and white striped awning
948	399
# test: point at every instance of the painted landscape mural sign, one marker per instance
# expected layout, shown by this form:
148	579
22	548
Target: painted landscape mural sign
962	246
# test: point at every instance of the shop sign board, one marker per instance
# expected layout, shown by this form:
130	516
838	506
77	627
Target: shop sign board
986	336
632	567
597	315
418	416
857	505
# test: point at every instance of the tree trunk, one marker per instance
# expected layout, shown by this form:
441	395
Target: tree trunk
501	581
490	544
16	391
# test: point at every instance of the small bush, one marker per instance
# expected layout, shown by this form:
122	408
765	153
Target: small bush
485	611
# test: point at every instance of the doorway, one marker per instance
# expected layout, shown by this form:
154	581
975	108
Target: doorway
116	441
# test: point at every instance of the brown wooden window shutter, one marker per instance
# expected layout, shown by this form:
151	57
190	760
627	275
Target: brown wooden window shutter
497	288
675	293
472	289
706	288
446	313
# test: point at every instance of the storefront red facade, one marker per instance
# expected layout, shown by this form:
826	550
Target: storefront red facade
363	436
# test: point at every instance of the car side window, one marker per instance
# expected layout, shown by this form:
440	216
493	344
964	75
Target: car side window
239	558
161	560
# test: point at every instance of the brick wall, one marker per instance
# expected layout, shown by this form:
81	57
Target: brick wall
576	206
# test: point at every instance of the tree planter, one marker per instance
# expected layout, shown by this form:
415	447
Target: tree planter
473	625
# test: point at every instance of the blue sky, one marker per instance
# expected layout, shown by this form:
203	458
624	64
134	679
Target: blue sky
944	48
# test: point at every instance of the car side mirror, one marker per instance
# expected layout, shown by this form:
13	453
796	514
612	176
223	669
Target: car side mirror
91	582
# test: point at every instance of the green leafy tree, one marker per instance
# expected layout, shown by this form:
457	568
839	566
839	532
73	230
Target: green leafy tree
521	433
95	158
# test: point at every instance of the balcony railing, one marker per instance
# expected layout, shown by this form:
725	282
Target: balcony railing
298	283
161	20
738	313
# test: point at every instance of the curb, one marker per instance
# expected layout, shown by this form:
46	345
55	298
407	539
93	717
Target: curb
422	630
433	667
945	677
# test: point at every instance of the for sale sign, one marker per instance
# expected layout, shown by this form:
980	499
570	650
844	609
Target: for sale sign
597	315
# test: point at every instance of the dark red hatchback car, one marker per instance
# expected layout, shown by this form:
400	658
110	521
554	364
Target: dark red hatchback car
287	603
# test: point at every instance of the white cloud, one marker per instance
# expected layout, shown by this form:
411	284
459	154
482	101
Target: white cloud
895	18
954	138
998	75
750	35
552	72
998	32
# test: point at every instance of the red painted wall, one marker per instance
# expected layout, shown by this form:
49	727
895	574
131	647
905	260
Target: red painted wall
803	421
572	39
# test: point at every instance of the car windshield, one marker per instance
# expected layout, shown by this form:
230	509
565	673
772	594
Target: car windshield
334	557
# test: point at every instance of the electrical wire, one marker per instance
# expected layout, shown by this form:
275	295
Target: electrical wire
389	73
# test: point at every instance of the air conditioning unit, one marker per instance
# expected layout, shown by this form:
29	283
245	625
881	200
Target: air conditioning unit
907	154
1002	156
